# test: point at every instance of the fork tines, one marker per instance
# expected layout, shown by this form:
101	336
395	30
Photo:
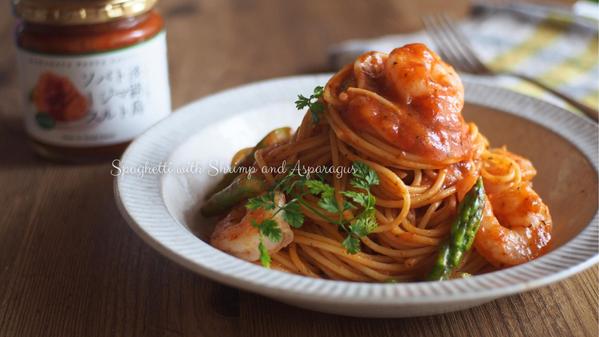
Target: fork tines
452	45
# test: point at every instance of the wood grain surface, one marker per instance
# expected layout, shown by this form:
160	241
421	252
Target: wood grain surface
70	266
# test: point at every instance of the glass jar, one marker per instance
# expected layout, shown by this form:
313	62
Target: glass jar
93	74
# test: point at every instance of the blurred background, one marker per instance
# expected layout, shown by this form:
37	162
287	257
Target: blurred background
214	45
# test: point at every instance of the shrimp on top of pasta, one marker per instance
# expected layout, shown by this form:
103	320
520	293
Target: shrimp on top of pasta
384	181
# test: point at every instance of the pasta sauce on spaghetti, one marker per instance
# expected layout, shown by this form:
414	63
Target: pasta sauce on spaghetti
416	106
426	196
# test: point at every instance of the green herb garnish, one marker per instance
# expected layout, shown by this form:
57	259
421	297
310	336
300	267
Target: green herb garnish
297	186
264	256
313	103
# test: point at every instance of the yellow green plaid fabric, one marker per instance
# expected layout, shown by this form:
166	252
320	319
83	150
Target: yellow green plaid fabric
566	58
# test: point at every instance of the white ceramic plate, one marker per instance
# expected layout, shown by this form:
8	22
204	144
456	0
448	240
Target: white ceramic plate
162	208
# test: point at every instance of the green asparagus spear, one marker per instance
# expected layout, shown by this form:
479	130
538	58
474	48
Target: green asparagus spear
463	230
242	187
441	265
276	136
240	155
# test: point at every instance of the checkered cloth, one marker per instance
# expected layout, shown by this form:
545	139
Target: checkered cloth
564	56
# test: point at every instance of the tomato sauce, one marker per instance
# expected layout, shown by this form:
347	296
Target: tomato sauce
413	100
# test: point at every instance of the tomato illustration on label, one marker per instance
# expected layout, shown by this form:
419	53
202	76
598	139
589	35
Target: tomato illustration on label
57	100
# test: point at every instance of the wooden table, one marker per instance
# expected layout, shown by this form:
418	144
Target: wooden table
70	266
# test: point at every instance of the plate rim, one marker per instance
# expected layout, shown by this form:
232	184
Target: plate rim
280	284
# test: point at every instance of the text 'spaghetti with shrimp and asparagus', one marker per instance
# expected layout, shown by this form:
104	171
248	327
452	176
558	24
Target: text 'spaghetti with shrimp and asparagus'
402	188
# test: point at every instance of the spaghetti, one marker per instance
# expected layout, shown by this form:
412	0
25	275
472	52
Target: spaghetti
400	114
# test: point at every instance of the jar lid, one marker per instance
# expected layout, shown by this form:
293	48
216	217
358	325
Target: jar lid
76	12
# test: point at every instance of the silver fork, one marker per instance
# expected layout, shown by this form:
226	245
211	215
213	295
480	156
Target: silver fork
454	47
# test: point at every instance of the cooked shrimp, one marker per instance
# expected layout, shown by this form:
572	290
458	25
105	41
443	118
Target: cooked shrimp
412	100
235	234
368	68
420	78
516	227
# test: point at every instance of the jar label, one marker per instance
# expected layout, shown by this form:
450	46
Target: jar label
95	99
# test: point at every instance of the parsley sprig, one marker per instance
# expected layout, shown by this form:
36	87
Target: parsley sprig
268	227
313	103
364	223
297	187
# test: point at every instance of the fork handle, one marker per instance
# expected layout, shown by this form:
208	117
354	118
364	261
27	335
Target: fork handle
587	110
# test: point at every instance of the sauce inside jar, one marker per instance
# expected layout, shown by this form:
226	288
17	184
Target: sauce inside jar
91	80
